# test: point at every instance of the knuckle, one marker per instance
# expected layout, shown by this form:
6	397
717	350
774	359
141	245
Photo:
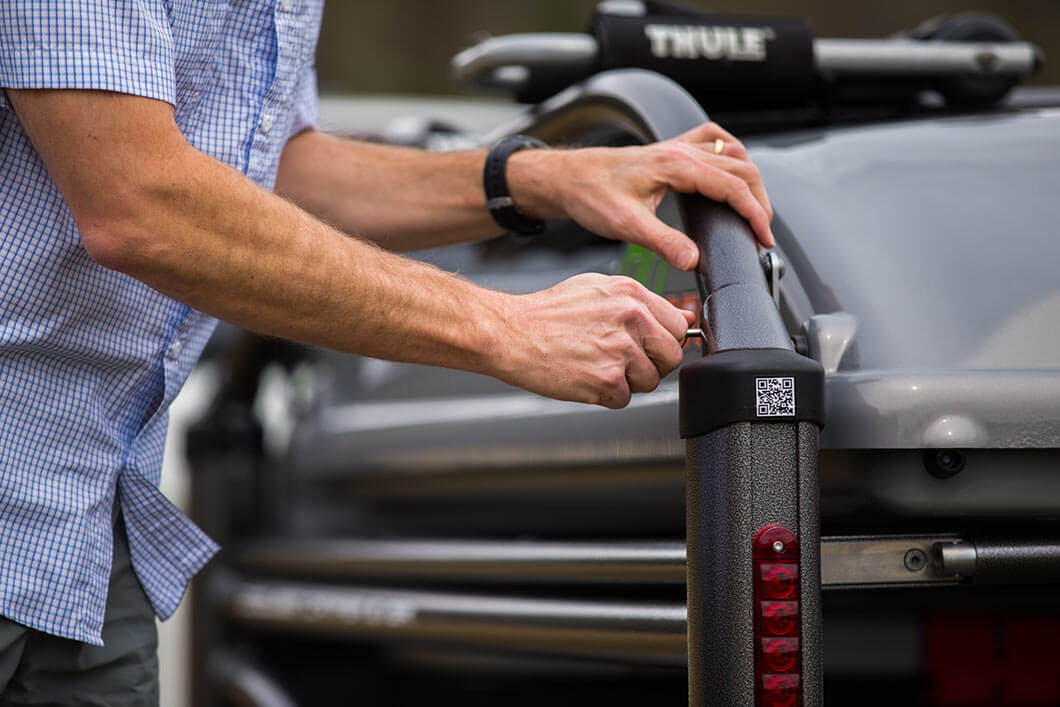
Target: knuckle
611	379
635	311
613	391
649	383
624	221
747	171
621	399
740	187
673	358
629	349
672	153
635	317
625	287
731	185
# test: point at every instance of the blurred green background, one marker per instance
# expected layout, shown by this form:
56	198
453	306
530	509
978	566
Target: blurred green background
404	46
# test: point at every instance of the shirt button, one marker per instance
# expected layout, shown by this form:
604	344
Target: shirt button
174	350
266	124
287	5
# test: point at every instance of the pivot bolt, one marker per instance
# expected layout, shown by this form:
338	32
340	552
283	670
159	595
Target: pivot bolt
778	547
915	560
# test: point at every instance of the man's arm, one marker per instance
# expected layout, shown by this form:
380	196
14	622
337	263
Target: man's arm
148	204
403	198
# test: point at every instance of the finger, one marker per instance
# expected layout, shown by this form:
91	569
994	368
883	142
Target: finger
671	245
747	172
616	395
660	331
673	320
707	133
719	185
665	352
743	169
736	150
663	345
641	371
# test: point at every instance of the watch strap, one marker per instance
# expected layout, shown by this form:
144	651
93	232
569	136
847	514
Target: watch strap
495	182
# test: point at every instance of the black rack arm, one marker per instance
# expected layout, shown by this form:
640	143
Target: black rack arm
743	472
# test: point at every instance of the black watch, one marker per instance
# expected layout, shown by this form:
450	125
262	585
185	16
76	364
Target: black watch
498	199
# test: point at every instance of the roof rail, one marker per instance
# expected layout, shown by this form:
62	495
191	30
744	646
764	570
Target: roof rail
754	62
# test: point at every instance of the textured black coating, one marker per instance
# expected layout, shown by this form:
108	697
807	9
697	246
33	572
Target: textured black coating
720	594
739	312
720	389
810	565
742	316
726	244
1012	561
741	478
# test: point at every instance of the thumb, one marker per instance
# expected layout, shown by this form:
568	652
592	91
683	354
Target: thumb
674	247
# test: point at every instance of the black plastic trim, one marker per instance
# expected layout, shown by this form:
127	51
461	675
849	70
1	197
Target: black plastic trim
719	390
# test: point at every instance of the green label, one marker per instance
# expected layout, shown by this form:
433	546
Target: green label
645	267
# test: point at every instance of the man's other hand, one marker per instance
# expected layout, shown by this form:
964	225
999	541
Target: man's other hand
593	339
614	192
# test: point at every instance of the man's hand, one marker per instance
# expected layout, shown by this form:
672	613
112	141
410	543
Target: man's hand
614	192
592	339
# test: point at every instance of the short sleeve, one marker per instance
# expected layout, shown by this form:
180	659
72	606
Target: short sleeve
112	45
304	114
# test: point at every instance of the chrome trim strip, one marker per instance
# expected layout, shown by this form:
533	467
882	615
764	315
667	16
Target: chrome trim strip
473	560
909	57
845	561
653	633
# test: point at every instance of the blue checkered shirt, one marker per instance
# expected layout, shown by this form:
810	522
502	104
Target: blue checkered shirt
90	359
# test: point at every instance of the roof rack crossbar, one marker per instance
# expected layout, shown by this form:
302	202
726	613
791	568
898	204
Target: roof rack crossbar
509	62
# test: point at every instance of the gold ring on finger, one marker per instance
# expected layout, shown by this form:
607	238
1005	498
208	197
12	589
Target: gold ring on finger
719	146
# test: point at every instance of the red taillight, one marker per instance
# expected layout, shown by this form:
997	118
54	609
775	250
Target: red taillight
777	657
780	654
778	581
780	618
780	691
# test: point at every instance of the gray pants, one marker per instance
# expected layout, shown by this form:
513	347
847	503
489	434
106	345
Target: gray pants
40	669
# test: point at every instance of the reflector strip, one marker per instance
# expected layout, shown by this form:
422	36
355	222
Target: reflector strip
778	659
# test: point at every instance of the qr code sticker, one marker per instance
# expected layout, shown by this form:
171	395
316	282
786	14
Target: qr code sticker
775	397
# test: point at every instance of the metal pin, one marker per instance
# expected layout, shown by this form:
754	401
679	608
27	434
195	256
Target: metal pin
692	334
778	546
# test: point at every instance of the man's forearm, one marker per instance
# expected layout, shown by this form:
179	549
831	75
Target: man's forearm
221	244
150	205
400	198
